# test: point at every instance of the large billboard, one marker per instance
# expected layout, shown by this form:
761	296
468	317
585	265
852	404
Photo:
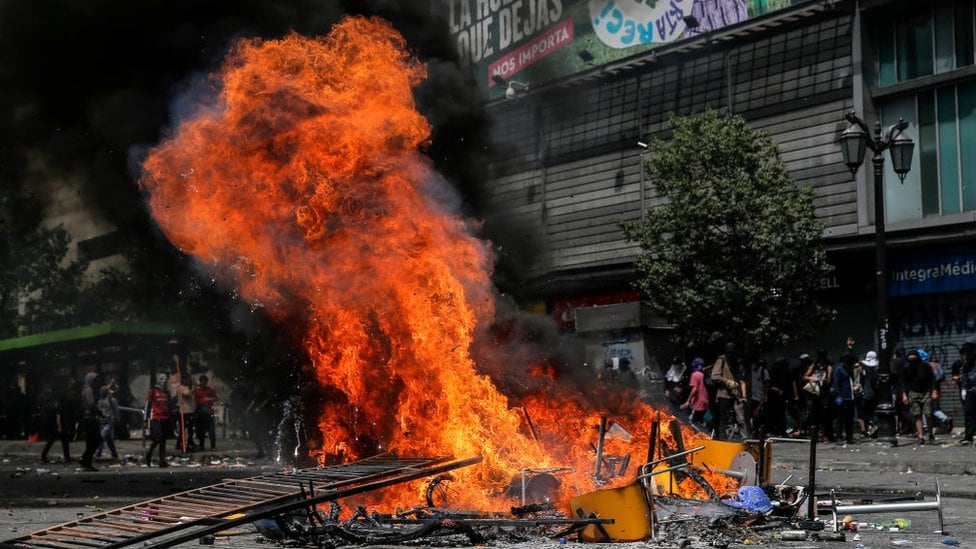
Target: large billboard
530	42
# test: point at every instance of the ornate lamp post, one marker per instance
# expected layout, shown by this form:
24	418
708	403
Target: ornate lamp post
853	143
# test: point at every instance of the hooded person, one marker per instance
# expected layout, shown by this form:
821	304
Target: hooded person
964	374
158	412
89	424
917	392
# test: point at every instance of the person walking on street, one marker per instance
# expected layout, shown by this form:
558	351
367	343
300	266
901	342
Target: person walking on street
698	395
158	405
729	388
108	407
52	427
90	421
918	391
964	374
204	396
843	391
816	386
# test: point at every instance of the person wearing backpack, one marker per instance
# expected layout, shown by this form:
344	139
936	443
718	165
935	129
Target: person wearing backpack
865	381
964	374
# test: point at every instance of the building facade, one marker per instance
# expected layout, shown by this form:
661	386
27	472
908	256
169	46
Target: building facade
572	162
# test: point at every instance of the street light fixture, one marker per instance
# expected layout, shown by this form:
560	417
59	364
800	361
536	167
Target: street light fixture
854	142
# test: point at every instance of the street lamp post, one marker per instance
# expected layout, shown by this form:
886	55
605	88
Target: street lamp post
853	142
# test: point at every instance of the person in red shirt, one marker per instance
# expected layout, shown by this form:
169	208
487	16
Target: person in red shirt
205	397
158	406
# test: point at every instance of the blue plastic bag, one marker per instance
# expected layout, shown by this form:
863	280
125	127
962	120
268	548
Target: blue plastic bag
751	498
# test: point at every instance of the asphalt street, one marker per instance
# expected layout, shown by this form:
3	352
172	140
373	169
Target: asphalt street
36	495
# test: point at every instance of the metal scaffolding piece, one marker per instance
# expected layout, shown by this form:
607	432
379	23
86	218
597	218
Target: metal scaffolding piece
189	515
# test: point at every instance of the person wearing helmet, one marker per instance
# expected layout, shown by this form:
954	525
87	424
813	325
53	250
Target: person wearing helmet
157	404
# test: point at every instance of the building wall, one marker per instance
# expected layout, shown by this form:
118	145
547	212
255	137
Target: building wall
571	163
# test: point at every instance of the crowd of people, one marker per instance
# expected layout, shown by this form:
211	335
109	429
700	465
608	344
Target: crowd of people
835	400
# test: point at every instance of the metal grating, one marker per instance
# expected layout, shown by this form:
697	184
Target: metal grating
185	516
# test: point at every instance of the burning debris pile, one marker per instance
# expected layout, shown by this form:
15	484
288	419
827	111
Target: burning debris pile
303	187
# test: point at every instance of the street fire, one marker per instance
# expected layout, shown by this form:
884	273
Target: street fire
304	187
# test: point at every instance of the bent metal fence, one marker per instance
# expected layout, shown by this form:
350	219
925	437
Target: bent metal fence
189	515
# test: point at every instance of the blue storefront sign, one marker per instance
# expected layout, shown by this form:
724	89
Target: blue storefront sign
930	272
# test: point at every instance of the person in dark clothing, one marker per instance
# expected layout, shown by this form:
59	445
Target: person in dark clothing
906	423
158	412
51	425
843	391
204	397
729	388
816	385
777	395
964	374
90	421
917	392
798	397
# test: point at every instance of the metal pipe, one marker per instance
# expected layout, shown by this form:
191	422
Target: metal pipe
599	447
668	470
679	454
895	507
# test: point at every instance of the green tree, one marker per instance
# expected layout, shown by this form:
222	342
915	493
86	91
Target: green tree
734	252
34	264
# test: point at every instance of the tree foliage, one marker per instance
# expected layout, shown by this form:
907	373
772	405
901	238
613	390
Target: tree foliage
734	252
34	264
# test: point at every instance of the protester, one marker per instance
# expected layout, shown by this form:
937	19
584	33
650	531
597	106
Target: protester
779	393
816	386
942	420
51	425
964	374
798	402
843	392
729	389
918	390
676	382
698	395
759	394
865	384
906	422
90	422
108	407
204	397
158	412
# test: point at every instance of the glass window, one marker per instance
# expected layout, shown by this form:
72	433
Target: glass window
964	33
902	200
886	54
942	180
928	165
948	151
924	38
967	143
913	39
944	50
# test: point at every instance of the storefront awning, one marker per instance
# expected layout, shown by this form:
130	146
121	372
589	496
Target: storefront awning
104	338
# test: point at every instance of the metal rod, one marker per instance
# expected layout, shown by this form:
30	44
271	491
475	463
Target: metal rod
679	454
895	507
661	471
599	446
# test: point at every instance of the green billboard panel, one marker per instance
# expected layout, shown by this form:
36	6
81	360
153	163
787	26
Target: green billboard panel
530	42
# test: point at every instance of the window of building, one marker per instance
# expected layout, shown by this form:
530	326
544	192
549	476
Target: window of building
943	177
924	38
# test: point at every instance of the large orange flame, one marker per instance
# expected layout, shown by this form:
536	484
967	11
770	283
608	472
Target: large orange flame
302	184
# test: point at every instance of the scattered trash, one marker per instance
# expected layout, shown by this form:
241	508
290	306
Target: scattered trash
901	542
950	541
793	535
